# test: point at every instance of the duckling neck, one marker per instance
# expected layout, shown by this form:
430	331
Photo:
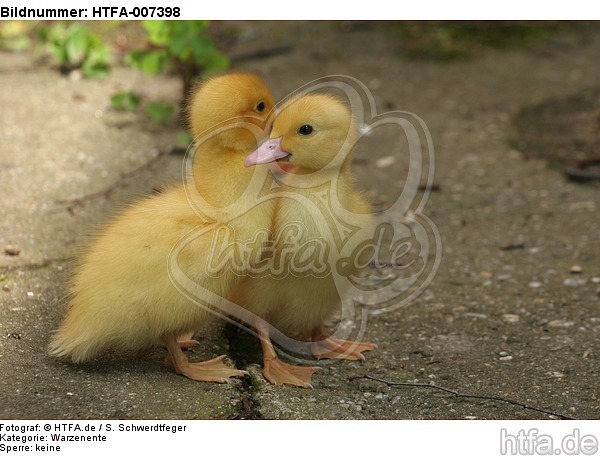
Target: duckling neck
343	174
341	181
220	176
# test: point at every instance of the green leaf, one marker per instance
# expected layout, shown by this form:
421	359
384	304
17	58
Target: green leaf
133	58
76	45
160	112
125	101
59	52
180	47
97	70
97	62
56	33
215	62
202	46
151	62
159	32
190	28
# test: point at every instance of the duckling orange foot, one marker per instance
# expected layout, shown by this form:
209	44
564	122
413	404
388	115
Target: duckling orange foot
326	347
277	372
331	348
214	370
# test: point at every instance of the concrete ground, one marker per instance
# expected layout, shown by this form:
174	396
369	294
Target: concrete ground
507	315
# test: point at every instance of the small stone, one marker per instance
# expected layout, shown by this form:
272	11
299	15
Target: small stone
556	374
574	282
560	323
367	394
384	162
505	358
510	318
30	294
5	287
595	279
576	269
428	295
518	244
535	284
75	75
475	315
12	250
502	353
379	396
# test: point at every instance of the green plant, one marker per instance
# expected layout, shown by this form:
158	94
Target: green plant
160	112
125	101
75	47
129	101
180	46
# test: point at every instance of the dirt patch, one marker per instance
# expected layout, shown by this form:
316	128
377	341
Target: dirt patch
565	132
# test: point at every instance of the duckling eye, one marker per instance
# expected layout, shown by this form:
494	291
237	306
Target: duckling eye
260	107
305	130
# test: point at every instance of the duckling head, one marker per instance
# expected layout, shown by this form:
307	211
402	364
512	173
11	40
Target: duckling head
232	101
309	132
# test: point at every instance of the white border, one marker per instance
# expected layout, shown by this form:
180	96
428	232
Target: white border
349	9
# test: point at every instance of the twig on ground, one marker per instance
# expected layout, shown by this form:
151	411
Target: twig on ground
467	396
107	190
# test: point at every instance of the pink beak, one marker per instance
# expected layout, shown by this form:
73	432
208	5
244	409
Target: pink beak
269	151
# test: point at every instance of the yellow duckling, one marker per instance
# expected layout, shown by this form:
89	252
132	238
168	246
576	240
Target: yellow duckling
311	139
122	295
